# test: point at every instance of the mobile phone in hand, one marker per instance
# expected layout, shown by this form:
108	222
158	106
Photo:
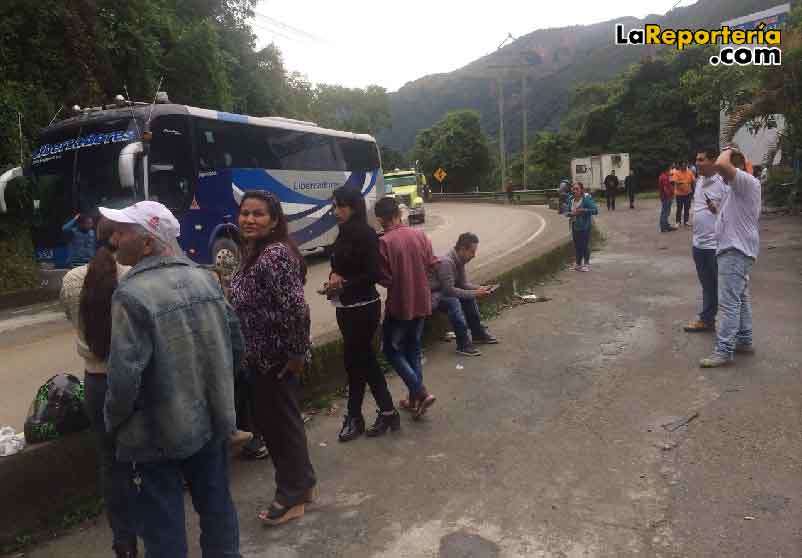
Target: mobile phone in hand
710	205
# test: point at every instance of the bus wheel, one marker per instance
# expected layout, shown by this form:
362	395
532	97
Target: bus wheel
225	256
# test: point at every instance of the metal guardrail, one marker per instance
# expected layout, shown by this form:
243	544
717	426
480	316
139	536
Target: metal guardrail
495	194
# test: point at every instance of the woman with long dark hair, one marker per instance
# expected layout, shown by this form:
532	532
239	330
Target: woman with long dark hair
352	289
86	293
267	291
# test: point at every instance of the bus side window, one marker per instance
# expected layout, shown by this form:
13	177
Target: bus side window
171	168
360	156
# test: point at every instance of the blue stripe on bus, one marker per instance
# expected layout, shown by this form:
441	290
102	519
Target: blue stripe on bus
259	179
232	117
316	229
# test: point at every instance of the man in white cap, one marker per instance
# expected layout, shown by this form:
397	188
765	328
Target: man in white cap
175	344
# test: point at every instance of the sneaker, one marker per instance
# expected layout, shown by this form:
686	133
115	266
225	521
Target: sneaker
714	361
585	268
255	449
745	349
469	350
697	326
485	339
577	267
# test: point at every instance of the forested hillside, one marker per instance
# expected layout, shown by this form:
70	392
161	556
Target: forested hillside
558	60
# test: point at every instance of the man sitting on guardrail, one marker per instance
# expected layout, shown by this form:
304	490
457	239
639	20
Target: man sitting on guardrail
453	294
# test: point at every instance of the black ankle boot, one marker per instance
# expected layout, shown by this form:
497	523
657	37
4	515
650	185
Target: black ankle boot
384	422
353	427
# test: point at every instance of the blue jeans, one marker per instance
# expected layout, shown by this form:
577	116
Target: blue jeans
159	504
402	340
463	313
665	211
707	271
734	302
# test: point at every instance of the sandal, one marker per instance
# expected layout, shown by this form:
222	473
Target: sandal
277	514
405	405
312	494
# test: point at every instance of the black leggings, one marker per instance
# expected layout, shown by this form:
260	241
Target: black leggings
358	326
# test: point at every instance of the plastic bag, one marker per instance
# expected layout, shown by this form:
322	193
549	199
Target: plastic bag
57	409
10	442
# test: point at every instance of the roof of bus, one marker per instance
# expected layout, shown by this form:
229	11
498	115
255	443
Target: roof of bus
399	173
144	111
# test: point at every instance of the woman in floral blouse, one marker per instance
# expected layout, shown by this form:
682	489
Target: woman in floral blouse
268	294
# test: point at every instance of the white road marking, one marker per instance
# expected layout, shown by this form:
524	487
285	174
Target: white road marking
513	249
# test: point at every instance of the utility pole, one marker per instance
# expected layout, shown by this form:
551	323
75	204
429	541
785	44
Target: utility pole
523	106
522	67
21	156
500	95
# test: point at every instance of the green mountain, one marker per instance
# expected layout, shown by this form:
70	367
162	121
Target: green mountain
555	62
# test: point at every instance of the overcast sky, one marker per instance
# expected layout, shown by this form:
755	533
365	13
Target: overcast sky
360	42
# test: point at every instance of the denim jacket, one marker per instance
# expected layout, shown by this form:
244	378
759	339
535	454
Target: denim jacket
175	344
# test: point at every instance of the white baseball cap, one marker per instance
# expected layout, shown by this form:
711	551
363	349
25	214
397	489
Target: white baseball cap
152	216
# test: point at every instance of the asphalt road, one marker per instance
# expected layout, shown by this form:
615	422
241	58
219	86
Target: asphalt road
37	342
590	431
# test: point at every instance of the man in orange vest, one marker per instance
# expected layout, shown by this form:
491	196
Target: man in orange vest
683	180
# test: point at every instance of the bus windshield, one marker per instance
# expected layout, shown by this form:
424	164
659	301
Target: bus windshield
75	170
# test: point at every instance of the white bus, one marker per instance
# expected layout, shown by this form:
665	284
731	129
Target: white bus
198	162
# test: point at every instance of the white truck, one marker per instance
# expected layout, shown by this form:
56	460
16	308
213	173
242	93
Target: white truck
592	170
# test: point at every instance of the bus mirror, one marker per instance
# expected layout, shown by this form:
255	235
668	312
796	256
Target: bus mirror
126	164
5	178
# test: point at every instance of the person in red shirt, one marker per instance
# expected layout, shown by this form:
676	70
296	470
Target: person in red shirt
666	198
406	259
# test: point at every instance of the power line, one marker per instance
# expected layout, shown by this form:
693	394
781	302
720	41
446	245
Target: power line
290	29
274	32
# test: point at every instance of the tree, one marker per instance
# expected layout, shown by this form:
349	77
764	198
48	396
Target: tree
457	144
357	110
549	160
197	53
393	159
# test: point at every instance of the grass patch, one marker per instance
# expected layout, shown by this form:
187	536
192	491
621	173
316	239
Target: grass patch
89	509
18	269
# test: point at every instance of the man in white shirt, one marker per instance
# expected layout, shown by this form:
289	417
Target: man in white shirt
738	245
710	191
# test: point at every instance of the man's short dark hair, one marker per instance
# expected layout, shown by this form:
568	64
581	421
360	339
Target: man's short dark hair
387	208
711	152
738	160
466	240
